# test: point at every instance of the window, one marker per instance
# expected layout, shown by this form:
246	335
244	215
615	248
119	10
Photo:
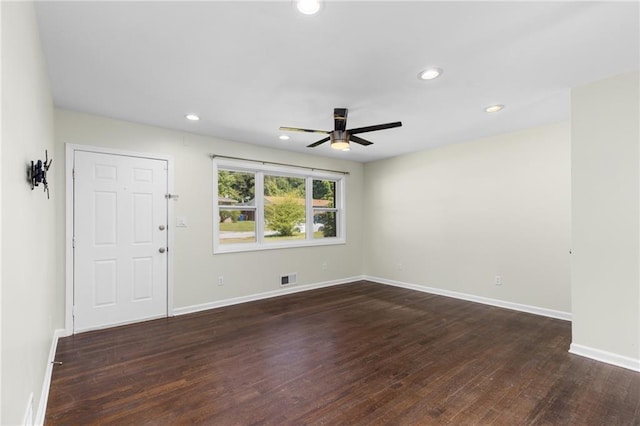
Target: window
260	207
236	207
284	208
324	208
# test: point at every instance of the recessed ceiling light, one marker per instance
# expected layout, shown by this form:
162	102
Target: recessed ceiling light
430	73
308	7
284	137
493	108
192	117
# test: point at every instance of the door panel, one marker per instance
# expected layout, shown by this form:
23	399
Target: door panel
104	282
120	275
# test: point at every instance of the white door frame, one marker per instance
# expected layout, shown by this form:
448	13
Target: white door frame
69	259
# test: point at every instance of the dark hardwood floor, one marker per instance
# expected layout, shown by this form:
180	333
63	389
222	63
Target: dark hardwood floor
360	353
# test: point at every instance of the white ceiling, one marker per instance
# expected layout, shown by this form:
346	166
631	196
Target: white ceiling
249	67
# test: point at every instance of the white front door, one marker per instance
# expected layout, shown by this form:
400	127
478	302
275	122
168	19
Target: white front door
120	239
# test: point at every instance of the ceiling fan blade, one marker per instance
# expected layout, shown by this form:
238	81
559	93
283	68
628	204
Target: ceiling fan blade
374	128
320	142
340	118
295	129
359	140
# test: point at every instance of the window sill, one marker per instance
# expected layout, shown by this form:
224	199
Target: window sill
245	247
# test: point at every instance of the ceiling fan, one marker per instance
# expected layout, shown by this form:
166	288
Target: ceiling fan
340	135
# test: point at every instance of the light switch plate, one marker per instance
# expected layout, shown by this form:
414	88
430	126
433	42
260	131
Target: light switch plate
181	222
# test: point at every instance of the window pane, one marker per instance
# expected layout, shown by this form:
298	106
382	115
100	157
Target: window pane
236	188
237	226
284	208
324	193
325	224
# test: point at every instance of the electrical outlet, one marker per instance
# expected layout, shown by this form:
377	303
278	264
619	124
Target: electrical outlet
399	266
498	280
325	266
221	280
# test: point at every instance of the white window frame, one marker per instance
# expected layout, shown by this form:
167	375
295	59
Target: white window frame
260	170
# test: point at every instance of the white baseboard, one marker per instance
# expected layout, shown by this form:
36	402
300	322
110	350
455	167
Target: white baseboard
604	356
44	395
260	296
566	316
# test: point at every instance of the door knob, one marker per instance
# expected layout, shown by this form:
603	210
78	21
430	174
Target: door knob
161	227
162	250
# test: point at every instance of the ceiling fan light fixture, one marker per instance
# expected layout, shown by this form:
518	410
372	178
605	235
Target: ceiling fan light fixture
340	140
430	73
192	117
494	108
340	145
284	137
308	7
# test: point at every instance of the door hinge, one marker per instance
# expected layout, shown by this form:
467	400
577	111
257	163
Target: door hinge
171	196
73	173
73	243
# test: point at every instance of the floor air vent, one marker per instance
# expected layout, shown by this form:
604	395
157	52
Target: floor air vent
289	279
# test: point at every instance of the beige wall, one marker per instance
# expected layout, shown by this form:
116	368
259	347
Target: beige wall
455	217
606	217
29	310
196	268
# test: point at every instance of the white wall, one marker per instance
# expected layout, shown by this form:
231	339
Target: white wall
196	268
606	218
29	311
453	218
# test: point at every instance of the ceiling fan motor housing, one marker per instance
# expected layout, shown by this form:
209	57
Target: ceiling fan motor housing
339	135
339	139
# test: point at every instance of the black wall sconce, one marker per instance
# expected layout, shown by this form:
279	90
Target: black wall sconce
38	173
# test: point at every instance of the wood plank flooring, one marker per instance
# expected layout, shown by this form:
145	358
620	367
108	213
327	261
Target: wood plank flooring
361	353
